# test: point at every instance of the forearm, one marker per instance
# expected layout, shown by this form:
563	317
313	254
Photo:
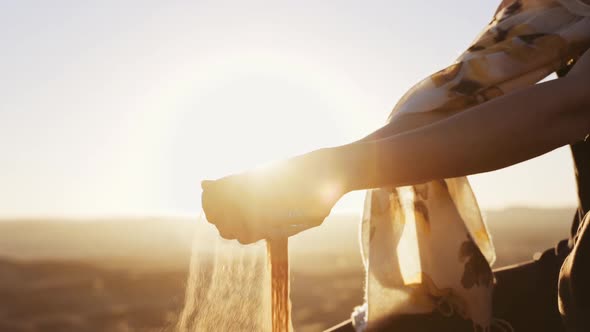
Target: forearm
497	134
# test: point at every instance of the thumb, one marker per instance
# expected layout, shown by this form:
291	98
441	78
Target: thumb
206	184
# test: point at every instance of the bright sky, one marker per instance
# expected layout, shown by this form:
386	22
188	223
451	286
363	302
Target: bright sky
111	108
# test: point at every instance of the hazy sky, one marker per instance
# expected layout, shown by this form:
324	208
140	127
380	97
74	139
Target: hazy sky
122	107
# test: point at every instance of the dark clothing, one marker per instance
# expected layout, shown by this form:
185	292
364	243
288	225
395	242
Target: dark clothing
525	295
574	290
551	293
581	156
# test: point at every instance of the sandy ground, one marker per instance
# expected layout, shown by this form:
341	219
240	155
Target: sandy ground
70	276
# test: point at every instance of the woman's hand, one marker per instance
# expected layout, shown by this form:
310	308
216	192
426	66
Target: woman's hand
278	201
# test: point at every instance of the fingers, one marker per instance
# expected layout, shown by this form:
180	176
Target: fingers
246	215
224	208
206	184
208	202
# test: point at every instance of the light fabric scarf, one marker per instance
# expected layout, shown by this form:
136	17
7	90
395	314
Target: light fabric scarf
426	247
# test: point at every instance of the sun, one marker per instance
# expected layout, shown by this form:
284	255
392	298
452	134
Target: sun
254	108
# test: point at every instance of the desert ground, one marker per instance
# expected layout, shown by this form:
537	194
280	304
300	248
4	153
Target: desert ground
121	274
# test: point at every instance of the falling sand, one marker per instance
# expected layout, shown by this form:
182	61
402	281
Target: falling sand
232	290
278	260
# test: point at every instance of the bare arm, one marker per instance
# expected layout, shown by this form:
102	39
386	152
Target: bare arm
299	192
500	133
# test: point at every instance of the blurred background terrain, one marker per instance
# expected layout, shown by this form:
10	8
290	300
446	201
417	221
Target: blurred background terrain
130	274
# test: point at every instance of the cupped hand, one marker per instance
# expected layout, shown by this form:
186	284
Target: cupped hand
278	201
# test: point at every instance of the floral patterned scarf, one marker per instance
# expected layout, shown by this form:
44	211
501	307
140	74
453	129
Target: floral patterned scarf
426	247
